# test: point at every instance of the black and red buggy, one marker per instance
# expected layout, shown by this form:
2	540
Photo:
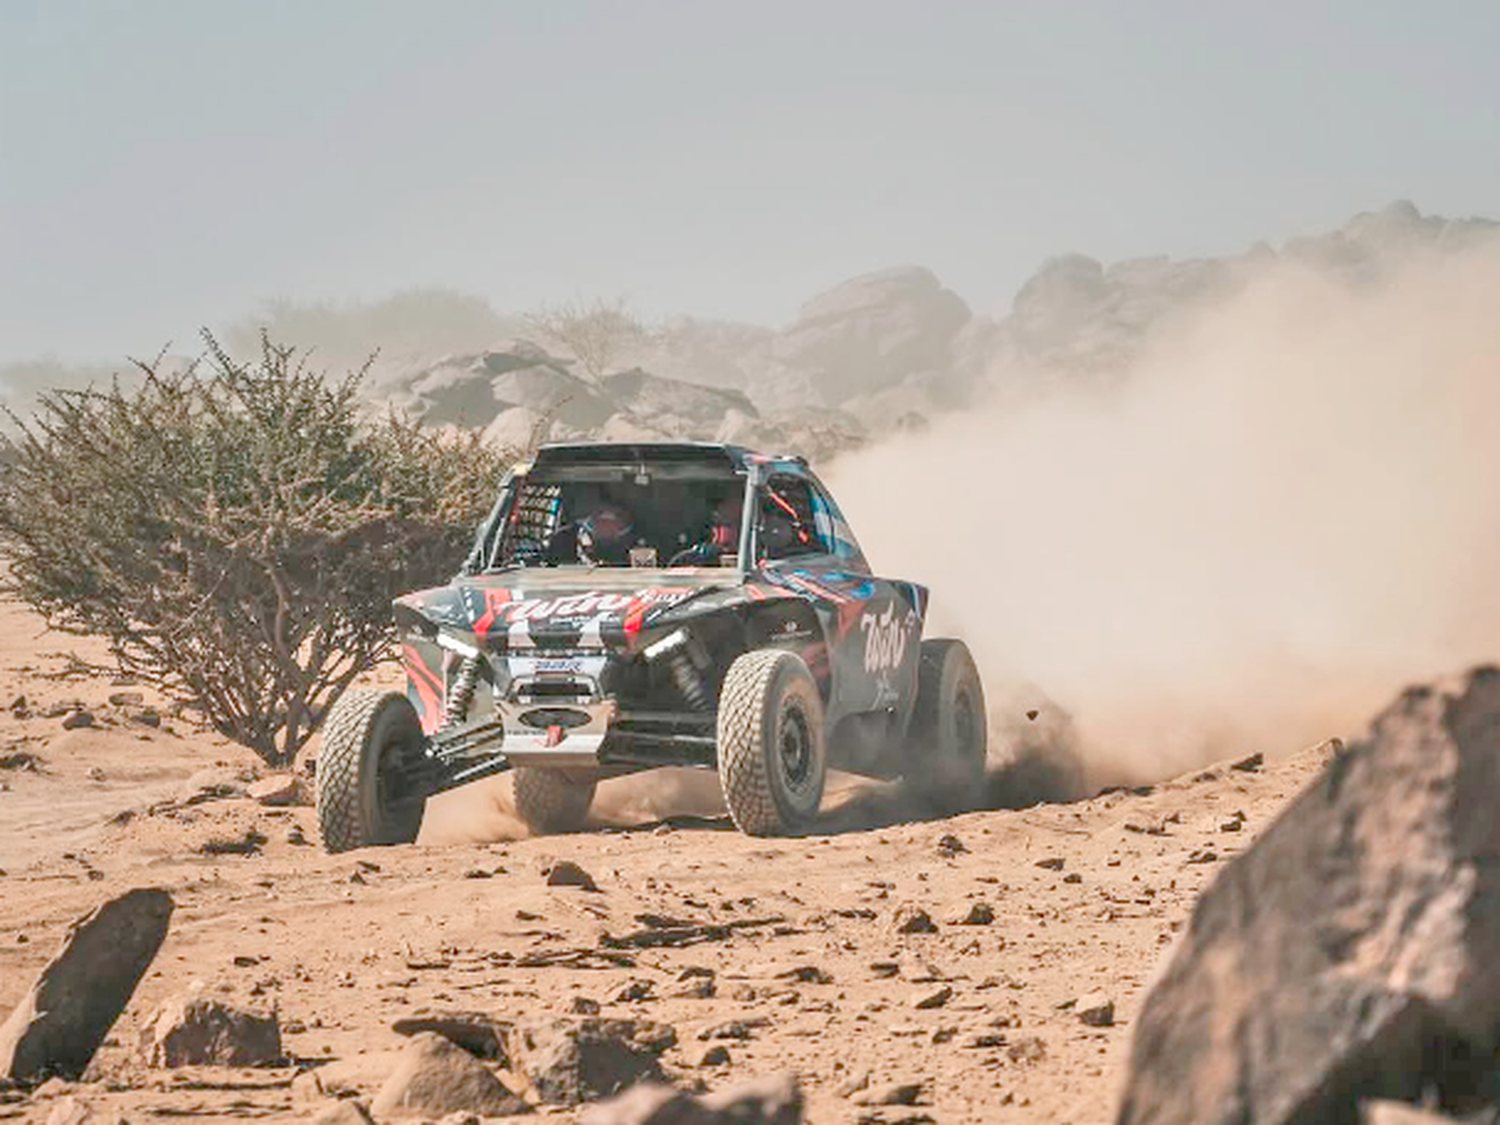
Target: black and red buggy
630	606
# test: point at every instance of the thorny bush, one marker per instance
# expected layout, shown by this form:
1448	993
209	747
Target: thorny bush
235	531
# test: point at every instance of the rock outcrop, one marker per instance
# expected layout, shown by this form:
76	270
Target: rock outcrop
888	350
68	1011
1349	954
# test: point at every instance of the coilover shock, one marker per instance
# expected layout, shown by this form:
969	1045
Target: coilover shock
461	691
688	679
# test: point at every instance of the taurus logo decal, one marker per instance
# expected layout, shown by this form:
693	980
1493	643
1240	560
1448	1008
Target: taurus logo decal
886	635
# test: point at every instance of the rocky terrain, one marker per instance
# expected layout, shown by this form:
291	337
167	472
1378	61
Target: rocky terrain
990	967
984	968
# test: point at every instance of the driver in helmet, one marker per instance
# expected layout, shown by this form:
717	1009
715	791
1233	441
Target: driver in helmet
601	538
722	537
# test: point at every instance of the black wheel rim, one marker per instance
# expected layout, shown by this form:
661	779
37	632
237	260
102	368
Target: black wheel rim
794	748
390	774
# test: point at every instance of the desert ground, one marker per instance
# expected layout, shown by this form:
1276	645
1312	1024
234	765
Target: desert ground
791	949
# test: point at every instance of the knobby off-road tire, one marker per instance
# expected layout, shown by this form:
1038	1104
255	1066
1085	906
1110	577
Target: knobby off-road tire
772	753
369	738
948	738
550	800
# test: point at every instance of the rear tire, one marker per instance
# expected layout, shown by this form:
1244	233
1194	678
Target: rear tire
772	753
948	735
549	801
369	740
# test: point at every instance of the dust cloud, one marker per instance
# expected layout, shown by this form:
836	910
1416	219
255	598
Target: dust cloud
1287	509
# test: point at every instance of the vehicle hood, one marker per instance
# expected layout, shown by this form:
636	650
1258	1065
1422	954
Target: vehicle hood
569	607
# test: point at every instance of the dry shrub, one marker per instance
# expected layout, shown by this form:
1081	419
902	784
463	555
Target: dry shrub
235	531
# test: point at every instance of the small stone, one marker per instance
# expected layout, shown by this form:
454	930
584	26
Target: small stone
77	720
891	1093
583	1006
1096	1009
936	999
94	773
884	970
731	1029
807	974
566	873
146	717
1029	1049
950	845
635	992
717	1055
126	699
1250	764
980	914
913	920
1072	877
1051	863
1203	855
702	988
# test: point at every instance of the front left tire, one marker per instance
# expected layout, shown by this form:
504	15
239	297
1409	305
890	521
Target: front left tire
371	739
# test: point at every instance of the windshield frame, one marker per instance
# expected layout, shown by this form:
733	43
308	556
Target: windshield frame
490	541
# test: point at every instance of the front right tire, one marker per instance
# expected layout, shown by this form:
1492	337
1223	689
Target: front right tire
948	739
772	754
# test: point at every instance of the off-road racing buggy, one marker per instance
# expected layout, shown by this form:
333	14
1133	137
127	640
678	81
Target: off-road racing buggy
628	606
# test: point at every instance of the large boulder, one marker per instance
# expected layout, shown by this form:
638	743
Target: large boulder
201	1031
871	332
59	1024
433	1077
1350	953
570	1062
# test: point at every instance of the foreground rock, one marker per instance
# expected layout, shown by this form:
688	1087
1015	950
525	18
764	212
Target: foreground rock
569	1063
433	1077
61	1021
773	1100
205	1032
476	1032
1350	954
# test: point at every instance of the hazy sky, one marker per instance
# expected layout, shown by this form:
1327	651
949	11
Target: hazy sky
169	164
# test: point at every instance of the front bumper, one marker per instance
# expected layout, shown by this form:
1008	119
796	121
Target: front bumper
554	711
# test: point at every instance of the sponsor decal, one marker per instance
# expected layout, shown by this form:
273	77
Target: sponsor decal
886	635
591	604
558	664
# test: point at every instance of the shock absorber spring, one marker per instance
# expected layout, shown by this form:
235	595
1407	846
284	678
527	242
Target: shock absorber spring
689	680
461	691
